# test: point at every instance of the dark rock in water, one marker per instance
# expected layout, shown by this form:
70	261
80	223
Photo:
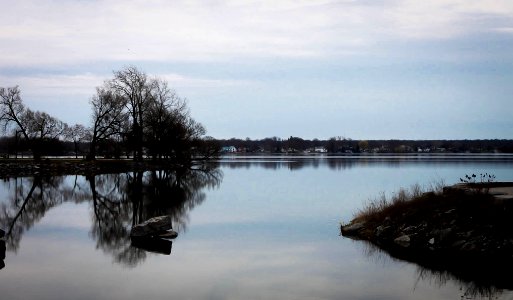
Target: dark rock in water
410	229
353	228
154	245
458	244
444	234
152	227
2	233
469	247
2	264
153	234
403	241
171	234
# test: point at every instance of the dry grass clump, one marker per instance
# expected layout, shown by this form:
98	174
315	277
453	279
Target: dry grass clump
383	206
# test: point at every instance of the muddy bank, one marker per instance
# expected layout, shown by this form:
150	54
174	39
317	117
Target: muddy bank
54	167
462	230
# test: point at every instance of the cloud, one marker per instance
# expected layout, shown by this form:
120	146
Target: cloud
508	30
69	32
178	81
442	19
64	32
84	84
54	84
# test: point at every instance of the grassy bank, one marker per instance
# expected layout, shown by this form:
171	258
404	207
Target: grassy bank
379	208
465	230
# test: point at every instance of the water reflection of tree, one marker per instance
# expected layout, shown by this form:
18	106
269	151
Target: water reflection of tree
118	201
31	199
338	163
111	212
128	199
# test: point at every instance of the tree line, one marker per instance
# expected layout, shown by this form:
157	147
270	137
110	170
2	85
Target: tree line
347	145
132	115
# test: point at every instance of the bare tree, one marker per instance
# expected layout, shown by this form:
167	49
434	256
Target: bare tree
35	126
108	117
12	109
134	86
161	118
77	133
40	125
146	114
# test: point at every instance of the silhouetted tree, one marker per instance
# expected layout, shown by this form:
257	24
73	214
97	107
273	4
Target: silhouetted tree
36	127
136	90
12	109
77	133
149	117
108	117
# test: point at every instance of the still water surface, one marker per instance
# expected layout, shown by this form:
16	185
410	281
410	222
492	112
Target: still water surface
255	228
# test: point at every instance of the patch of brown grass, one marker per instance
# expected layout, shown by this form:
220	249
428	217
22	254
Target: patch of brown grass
383	206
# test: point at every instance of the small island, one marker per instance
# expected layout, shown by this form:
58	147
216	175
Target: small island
465	230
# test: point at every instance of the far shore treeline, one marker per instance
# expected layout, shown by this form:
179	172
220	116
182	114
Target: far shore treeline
136	116
346	145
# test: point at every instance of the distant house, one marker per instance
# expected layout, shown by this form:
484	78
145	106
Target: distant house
320	150
229	149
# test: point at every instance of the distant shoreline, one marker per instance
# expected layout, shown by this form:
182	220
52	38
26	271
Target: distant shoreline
341	145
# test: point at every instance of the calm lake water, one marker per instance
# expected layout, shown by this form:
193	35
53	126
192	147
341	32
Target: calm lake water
255	228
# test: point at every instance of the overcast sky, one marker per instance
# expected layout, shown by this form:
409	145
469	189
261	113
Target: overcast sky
371	69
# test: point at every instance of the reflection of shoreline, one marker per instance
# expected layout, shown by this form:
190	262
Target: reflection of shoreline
71	166
293	162
485	279
368	155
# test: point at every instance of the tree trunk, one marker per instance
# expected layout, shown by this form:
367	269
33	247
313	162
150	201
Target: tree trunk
92	151
36	151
